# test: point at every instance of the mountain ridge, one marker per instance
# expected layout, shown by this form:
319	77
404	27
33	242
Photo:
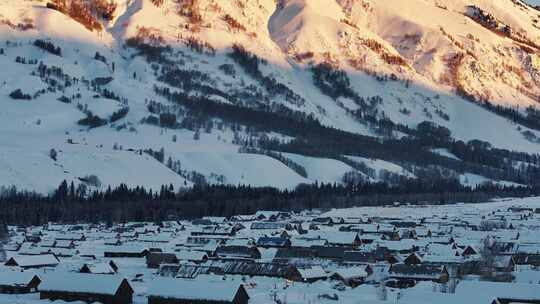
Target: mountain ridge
291	57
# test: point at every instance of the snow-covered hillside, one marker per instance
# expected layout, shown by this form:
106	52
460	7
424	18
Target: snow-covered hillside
88	93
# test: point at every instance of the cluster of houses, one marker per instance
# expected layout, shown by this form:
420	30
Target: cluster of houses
192	261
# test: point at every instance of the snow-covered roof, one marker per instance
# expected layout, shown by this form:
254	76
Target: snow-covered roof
191	255
313	272
130	248
35	260
194	289
100	268
16	277
84	283
352	272
334	237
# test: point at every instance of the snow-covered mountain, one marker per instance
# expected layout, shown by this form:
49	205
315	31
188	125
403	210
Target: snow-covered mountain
86	86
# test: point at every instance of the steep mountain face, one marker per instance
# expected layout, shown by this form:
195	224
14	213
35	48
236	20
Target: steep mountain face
150	92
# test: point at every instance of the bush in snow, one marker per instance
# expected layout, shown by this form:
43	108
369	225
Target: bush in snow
100	57
197	135
64	99
119	114
91	180
18	94
53	154
92	121
49	47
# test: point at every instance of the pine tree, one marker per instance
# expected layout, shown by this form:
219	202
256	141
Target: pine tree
53	154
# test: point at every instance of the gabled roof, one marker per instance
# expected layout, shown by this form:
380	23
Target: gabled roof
82	283
34	260
224	291
99	268
16	278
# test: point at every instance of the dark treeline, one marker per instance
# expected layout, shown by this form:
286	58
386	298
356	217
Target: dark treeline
71	204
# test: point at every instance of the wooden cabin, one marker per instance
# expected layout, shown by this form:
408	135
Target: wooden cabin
181	291
33	261
88	288
423	272
16	282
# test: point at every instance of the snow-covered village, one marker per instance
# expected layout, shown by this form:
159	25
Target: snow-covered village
483	253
